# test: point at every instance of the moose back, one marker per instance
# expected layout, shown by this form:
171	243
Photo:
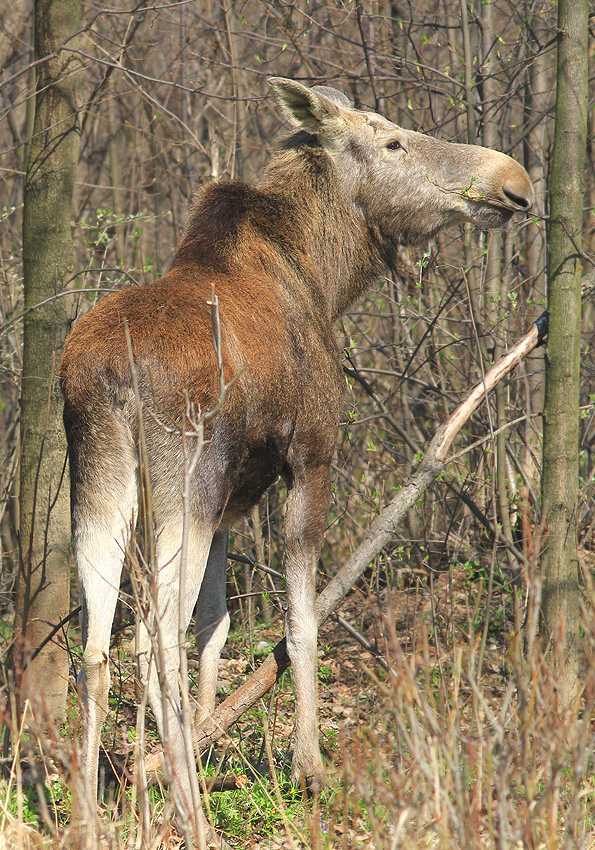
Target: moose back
285	258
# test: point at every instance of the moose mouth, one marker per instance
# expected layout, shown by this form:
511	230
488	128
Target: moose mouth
503	206
511	204
498	210
490	213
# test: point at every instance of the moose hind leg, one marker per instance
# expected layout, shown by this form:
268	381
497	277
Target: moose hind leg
211	620
307	509
100	538
162	649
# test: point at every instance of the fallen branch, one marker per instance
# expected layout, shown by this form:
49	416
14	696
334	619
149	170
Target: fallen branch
380	533
358	636
119	768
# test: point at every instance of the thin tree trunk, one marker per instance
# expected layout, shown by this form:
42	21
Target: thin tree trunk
43	587
496	279
560	610
266	608
541	84
115	149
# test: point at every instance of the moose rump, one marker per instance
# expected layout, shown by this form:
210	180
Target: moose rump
138	372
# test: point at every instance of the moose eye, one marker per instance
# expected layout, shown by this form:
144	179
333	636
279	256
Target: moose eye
395	145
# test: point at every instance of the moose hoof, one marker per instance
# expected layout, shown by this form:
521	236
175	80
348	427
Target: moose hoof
317	781
314	782
215	841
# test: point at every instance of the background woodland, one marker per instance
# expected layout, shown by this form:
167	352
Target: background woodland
174	94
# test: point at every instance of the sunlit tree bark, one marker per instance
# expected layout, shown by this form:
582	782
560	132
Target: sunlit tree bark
43	585
560	620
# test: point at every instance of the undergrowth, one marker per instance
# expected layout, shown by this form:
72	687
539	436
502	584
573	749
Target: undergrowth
453	747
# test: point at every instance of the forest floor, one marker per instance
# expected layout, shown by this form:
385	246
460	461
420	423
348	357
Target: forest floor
461	745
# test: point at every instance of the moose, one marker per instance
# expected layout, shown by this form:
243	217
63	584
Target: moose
285	258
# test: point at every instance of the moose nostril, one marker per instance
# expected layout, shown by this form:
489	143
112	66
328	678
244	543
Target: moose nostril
521	201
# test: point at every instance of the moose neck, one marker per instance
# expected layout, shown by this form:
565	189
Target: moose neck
346	251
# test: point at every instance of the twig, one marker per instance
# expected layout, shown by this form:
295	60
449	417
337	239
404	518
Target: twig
358	636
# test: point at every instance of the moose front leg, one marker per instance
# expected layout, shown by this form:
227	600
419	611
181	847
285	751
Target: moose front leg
307	510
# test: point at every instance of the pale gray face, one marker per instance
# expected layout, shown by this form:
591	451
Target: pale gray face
407	184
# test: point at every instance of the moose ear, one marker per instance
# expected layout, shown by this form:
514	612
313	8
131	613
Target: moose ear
310	109
335	95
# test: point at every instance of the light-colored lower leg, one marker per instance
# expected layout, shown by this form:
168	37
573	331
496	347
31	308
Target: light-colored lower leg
211	625
305	518
99	557
159	658
302	640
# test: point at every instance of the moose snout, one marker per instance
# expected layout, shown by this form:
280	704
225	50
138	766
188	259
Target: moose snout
516	189
521	197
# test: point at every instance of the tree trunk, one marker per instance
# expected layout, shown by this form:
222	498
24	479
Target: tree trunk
560	610
43	587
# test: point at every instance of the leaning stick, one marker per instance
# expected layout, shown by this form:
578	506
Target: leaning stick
380	533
